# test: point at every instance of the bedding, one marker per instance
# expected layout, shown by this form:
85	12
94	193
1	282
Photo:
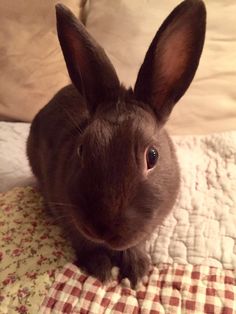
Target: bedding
193	251
14	166
32	250
168	289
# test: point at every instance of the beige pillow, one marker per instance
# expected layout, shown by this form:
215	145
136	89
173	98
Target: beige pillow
126	28
31	62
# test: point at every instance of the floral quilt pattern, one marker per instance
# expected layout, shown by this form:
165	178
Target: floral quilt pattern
33	250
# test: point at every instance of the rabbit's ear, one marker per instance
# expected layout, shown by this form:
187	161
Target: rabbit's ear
172	58
89	67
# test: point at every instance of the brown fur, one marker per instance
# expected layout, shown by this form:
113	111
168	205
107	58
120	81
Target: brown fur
87	145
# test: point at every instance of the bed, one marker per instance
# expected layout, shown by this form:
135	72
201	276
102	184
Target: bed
193	252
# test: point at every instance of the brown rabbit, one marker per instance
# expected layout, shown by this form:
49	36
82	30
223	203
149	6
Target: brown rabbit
104	162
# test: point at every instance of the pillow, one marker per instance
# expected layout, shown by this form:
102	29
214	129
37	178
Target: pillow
125	29
31	62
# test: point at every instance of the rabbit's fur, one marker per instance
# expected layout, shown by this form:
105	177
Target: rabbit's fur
89	147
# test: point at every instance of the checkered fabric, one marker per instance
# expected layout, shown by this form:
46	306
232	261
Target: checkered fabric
168	289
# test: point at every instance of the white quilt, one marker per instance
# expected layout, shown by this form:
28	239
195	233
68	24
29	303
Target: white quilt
202	227
14	167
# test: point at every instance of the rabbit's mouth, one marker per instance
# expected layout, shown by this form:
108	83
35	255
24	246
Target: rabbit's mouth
91	235
119	243
113	242
89	232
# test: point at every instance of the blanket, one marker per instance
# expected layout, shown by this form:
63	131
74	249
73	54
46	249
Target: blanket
14	166
193	252
168	289
32	251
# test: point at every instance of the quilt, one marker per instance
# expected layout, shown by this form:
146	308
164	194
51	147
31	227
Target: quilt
193	252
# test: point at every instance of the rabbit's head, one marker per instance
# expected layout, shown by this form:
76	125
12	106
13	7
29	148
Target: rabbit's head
126	177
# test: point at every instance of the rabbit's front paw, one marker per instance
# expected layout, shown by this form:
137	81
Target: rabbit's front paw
133	265
96	263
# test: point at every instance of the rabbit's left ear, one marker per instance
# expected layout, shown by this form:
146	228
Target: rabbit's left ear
89	67
172	58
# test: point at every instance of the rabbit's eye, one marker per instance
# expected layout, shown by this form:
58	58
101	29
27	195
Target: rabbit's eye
151	157
80	150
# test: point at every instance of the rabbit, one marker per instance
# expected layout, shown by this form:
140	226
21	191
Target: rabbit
104	162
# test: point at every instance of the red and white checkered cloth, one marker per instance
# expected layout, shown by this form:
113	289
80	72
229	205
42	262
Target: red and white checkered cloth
168	289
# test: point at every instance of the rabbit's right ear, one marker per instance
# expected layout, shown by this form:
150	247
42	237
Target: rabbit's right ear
89	67
172	58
